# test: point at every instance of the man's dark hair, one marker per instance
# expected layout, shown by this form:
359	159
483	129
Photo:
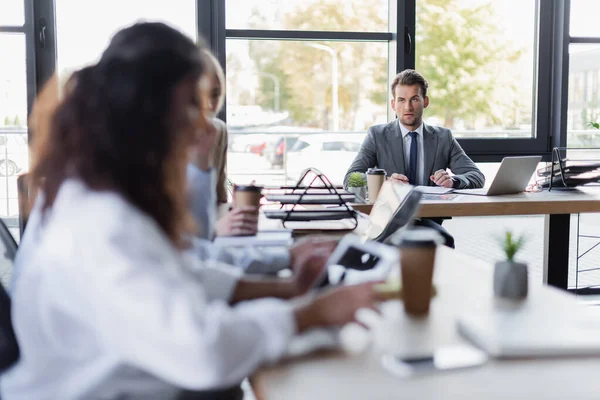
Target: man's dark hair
410	77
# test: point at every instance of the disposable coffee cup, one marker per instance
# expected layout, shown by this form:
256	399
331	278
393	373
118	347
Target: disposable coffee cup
417	258
247	195
375	178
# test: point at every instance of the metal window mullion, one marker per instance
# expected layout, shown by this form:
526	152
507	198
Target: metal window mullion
29	29
584	40
560	75
45	53
405	34
308	35
12	29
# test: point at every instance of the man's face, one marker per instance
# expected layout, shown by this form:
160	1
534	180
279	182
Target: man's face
408	103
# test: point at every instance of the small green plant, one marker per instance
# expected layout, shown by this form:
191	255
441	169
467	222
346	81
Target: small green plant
595	125
357	179
512	245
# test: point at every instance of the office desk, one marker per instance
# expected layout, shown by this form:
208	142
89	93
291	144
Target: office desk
462	282
556	205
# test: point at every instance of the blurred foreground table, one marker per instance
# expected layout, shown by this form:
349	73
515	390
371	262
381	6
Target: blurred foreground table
463	283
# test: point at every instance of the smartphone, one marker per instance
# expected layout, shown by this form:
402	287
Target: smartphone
443	359
354	261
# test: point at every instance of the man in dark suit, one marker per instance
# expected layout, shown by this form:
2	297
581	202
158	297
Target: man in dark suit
415	153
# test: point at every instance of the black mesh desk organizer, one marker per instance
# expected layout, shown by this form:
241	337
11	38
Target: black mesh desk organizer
304	194
567	174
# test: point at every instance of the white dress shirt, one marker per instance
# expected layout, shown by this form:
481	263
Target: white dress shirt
203	206
105	307
420	158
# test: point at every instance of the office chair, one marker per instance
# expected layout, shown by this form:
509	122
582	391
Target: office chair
9	348
25	201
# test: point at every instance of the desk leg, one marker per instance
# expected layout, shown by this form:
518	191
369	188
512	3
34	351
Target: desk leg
556	250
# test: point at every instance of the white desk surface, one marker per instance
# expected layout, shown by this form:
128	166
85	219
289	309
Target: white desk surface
463	283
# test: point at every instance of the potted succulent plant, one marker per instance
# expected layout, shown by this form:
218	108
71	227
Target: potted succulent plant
357	184
510	277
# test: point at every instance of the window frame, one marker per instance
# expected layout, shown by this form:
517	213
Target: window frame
27	30
548	98
551	78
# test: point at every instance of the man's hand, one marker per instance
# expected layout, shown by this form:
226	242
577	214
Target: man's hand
308	259
442	178
240	221
399	178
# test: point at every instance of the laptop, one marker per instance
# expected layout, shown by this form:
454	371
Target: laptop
550	326
395	208
512	177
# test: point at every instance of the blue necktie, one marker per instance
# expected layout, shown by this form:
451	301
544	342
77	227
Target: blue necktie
412	164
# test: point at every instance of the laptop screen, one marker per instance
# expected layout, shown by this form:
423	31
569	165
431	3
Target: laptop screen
385	209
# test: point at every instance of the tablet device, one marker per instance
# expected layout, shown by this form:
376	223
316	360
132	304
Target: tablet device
354	261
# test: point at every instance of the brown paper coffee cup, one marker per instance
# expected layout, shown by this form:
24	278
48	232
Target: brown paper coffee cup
247	195
417	259
375	179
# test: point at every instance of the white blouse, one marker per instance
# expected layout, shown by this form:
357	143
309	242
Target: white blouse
105	307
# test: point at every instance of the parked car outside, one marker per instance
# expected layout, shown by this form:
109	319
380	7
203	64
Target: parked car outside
247	142
330	153
14	151
274	150
257	139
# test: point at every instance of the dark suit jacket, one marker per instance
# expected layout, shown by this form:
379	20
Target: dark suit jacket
384	148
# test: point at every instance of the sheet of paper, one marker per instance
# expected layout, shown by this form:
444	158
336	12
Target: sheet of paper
433	189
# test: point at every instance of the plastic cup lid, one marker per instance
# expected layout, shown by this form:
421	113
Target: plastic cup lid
421	237
376	171
248	188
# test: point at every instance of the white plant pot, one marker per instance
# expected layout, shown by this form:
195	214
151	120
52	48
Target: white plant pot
510	280
359	192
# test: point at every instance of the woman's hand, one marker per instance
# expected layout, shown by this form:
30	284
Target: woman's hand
240	221
336	307
308	259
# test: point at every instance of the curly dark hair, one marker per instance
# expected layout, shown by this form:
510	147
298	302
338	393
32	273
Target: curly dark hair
113	129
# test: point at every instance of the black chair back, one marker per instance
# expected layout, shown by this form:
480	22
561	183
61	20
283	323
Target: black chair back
9	348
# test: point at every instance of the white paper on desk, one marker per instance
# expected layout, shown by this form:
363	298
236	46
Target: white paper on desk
433	189
281	237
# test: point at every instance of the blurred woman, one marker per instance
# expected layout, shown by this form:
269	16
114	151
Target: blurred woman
210	172
207	190
110	303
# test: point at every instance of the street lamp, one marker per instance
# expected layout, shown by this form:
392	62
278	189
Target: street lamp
275	87
334	82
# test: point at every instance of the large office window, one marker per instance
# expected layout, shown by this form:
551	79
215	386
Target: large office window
479	58
84	29
308	92
331	15
584	110
16	89
312	70
305	80
584	75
